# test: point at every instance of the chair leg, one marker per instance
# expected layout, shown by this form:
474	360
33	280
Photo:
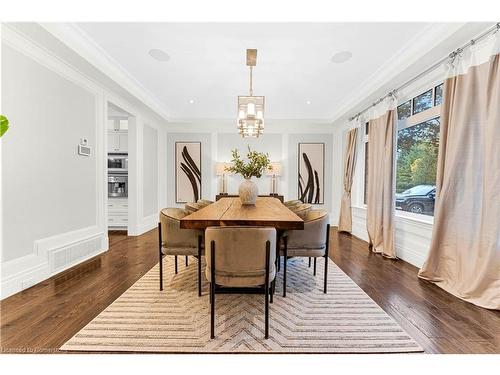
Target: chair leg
309	262
175	264
285	261
160	256
278	258
212	290
199	266
326	256
187	261
273	284
266	289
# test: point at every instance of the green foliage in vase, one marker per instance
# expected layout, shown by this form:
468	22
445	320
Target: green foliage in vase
4	125
253	166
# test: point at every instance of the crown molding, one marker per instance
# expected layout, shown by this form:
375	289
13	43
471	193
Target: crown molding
79	41
409	54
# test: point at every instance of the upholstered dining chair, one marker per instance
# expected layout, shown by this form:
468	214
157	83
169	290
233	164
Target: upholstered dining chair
294	202
193	206
239	259
204	202
302	209
176	241
313	242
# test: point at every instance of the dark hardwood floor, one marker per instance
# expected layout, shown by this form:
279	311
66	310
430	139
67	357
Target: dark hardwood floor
43	317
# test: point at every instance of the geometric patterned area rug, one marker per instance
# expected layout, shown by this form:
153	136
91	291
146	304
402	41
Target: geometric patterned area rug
176	320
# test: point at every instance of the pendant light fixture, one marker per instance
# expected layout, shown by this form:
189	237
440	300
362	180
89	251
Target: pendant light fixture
251	108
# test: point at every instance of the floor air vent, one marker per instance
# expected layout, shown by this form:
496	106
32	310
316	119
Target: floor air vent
64	257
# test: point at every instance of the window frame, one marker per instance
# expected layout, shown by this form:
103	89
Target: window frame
429	114
434	94
365	139
432	90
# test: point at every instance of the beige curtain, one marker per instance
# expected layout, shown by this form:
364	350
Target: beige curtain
345	219
464	257
380	186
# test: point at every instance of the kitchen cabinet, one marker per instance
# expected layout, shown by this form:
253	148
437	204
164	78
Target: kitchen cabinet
117	141
117	213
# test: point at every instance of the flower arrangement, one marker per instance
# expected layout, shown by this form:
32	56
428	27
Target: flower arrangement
253	166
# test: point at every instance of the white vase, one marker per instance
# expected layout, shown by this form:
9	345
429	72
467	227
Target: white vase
248	192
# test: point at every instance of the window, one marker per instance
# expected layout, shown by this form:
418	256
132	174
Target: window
422	102
404	110
365	140
438	94
416	163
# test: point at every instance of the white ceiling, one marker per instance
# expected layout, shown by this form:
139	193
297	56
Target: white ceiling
207	63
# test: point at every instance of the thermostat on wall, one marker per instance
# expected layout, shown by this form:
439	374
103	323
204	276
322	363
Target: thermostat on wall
83	149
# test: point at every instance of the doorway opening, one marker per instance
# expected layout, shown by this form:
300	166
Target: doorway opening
117	168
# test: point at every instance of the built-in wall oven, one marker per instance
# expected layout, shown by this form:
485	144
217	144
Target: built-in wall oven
118	163
117	185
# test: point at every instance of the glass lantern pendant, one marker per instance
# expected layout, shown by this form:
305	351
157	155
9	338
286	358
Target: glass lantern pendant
251	108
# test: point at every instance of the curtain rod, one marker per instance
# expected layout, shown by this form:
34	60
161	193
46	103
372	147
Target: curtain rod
431	68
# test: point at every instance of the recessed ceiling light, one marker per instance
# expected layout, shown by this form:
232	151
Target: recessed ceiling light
159	55
308	102
191	101
341	57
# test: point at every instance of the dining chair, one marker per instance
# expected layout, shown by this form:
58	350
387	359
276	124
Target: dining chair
175	241
204	202
302	209
240	260
313	242
294	202
193	206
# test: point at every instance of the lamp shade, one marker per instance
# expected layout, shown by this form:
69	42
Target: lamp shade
276	169
220	168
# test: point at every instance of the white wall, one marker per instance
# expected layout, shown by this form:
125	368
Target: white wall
48	188
280	140
150	171
270	143
53	200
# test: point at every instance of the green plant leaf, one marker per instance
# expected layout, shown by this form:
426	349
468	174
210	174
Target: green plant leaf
256	163
4	125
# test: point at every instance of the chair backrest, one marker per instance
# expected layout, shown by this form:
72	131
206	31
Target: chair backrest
314	234
172	235
193	206
294	202
240	254
204	202
302	209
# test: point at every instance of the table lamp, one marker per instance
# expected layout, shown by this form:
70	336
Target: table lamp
220	169
274	172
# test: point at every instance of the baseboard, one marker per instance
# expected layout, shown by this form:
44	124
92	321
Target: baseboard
22	273
412	237
146	224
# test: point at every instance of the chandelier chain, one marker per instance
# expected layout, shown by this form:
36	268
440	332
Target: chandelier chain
251	80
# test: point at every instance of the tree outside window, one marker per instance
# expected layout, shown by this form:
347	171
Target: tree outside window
417	153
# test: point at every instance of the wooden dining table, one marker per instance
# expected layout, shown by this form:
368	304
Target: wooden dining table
267	212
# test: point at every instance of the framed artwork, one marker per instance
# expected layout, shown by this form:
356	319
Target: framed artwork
187	171
311	174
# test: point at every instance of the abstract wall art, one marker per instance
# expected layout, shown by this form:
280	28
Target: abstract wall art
311	172
187	171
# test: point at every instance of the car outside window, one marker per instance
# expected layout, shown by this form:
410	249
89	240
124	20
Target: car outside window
416	163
